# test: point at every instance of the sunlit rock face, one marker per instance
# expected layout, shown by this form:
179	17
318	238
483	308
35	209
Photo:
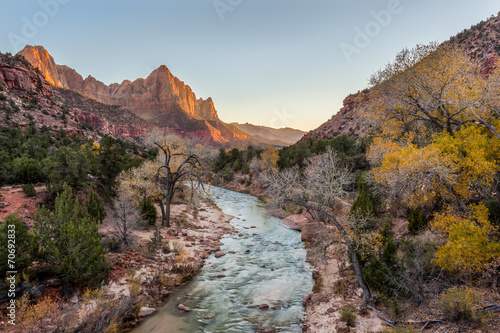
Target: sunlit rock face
161	98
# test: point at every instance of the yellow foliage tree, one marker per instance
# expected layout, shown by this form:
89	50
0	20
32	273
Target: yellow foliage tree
433	88
269	159
437	115
468	247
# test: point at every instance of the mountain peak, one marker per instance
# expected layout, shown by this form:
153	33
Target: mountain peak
40	58
161	98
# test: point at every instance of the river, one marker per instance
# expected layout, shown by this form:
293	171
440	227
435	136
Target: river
268	267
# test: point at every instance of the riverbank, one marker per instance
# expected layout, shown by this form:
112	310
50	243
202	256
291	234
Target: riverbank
258	285
141	276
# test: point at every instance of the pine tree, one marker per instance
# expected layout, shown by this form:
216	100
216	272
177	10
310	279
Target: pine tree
70	241
95	207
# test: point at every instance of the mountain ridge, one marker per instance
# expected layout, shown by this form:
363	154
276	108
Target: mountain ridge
161	98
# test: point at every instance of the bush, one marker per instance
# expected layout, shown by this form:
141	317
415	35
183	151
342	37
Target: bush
417	220
3	97
459	304
26	244
29	190
148	211
95	207
366	204
71	242
349	314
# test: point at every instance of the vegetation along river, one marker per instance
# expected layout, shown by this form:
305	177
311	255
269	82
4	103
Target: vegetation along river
272	272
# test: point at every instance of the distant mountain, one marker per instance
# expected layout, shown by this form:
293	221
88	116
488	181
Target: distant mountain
481	41
271	136
161	99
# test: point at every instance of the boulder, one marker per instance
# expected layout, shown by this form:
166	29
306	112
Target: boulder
183	308
295	222
145	311
311	231
218	276
219	254
318	298
307	298
279	213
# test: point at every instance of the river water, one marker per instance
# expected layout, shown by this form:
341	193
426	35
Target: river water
273	272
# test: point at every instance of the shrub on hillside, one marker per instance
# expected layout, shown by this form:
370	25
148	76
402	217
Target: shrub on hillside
25	249
417	220
349	314
95	207
71	242
459	304
29	190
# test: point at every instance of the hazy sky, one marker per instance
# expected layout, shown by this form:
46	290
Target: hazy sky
269	62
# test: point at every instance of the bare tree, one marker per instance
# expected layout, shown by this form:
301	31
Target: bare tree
177	168
323	181
124	217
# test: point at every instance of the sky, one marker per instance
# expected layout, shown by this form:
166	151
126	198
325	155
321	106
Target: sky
277	63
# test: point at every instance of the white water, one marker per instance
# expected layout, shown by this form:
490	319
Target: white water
230	300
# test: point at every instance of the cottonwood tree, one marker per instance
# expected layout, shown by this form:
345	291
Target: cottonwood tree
323	181
439	145
177	169
434	88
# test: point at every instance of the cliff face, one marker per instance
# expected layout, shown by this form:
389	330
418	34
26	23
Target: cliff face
161	98
18	76
28	90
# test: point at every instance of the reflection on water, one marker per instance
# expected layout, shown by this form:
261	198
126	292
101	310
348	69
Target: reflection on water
273	272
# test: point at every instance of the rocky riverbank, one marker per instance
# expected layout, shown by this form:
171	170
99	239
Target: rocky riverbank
142	274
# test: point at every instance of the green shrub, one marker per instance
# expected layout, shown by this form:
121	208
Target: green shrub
382	273
71	242
3	97
349	314
459	304
366	204
26	245
148	211
29	190
28	171
417	220
95	207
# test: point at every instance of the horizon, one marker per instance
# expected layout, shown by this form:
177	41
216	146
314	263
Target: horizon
262	63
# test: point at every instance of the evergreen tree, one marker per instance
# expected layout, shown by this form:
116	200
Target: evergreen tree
148	211
26	245
95	207
70	241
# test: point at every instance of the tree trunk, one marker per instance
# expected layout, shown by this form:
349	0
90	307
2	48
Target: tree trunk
167	213
162	208
359	273
354	256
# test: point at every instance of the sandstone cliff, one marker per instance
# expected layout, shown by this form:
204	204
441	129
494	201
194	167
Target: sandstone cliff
161	98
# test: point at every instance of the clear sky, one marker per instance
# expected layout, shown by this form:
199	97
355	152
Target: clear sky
268	62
